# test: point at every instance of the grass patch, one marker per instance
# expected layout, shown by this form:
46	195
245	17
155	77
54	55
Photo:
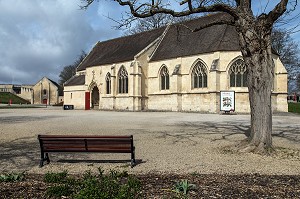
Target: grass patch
294	107
6	96
19	107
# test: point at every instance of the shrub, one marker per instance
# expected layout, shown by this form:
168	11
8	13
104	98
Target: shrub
12	177
114	185
55	177
59	191
184	186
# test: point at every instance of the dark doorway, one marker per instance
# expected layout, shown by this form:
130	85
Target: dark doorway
95	97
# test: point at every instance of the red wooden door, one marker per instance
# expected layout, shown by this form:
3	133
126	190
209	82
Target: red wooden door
87	101
44	101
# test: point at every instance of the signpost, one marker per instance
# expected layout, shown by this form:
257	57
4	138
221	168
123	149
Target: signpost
227	101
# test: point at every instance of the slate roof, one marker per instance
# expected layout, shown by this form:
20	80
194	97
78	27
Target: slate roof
76	80
180	41
53	82
119	49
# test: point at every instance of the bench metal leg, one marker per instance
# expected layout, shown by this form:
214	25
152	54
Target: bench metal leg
47	158
41	163
44	157
132	159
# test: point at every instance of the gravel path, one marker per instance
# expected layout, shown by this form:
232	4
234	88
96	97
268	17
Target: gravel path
166	142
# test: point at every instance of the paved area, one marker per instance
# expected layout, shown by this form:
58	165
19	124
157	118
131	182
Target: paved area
165	141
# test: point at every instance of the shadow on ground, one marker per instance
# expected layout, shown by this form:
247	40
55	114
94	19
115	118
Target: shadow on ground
24	153
22	119
186	131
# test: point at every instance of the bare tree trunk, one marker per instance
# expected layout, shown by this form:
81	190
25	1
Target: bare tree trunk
260	88
256	49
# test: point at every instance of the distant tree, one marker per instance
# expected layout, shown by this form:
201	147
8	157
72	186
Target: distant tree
286	47
70	70
298	82
138	25
288	51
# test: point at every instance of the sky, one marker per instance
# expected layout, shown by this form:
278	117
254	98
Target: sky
39	37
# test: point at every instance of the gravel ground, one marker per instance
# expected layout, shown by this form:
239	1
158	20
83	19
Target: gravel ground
166	142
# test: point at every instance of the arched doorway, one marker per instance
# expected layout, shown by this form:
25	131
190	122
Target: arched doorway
95	97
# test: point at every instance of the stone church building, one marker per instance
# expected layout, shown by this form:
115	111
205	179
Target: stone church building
169	69
45	91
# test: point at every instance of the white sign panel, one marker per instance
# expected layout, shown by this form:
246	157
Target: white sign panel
227	101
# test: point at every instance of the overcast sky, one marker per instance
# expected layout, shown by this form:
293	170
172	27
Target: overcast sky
39	37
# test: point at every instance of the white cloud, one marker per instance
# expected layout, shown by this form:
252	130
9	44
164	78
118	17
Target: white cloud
39	37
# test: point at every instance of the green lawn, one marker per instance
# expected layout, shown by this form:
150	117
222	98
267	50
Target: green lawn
5	97
294	107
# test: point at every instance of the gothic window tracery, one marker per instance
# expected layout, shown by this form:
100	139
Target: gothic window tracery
164	78
238	74
123	80
199	76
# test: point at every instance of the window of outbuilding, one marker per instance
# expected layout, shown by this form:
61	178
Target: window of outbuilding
44	91
238	74
199	76
164	78
123	80
108	83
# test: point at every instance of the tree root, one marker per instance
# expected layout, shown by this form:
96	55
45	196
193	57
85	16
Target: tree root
246	146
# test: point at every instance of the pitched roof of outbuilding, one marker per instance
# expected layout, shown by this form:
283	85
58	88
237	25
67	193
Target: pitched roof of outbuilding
53	82
180	41
119	49
76	80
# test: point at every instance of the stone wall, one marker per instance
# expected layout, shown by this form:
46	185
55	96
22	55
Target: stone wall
144	89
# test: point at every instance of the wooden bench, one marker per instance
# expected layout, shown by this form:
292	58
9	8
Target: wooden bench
80	143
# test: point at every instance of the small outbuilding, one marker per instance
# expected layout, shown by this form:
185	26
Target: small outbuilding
45	91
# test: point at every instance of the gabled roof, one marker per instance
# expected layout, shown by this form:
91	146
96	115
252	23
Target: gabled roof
50	80
180	41
53	82
76	80
119	49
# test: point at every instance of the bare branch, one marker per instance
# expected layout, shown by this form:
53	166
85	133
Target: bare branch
219	22
156	8
277	12
87	3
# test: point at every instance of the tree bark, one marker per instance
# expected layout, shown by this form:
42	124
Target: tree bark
255	41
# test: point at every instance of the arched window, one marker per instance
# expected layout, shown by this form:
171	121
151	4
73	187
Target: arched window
108	83
238	74
199	76
164	78
123	80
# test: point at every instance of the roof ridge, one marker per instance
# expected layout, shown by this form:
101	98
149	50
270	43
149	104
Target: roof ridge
159	42
125	36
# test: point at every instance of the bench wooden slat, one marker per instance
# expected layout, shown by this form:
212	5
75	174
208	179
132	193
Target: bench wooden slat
89	143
